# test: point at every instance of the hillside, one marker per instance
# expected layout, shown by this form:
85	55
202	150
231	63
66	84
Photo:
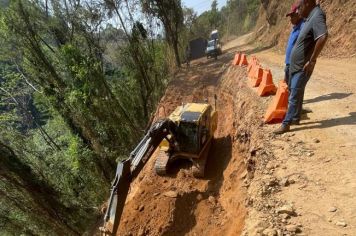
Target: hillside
258	183
81	82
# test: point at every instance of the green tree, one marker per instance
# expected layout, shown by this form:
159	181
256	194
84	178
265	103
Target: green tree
214	15
68	65
171	15
76	94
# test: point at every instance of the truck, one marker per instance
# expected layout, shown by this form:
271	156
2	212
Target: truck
213	48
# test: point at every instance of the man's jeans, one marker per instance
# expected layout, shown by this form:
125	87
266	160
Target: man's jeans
287	75
297	84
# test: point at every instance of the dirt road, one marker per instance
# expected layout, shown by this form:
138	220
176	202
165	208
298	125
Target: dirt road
328	171
318	156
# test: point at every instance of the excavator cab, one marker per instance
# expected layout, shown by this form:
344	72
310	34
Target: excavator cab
195	127
187	137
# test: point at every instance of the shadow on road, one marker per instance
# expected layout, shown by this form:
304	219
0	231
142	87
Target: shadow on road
330	96
347	120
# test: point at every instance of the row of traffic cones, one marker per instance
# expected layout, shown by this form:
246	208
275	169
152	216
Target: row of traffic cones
262	78
240	60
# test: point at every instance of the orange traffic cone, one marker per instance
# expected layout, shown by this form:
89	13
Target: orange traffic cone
267	86
243	60
251	71
256	75
237	59
254	62
278	108
250	65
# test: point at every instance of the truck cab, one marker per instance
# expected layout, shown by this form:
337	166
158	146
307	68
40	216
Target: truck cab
213	49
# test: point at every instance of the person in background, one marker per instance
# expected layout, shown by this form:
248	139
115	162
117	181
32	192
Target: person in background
305	52
297	22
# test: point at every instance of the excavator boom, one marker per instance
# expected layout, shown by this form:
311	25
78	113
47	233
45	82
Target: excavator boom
128	169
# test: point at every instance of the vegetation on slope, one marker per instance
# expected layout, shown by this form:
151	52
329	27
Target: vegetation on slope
79	81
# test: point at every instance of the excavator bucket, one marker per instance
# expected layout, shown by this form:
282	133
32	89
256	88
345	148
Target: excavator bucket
117	199
128	170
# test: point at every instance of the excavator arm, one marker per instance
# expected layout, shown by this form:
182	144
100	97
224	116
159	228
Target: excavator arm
128	169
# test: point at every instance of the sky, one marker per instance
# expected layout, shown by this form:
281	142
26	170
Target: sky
200	6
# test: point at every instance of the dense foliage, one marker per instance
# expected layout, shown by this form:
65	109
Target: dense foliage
79	82
235	18
76	95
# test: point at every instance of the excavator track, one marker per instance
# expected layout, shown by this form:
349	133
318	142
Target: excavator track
161	163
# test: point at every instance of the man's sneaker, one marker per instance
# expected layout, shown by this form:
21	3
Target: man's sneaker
282	129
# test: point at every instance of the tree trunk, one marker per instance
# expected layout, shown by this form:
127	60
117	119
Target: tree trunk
176	50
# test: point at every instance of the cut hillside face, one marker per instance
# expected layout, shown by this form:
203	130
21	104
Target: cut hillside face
273	27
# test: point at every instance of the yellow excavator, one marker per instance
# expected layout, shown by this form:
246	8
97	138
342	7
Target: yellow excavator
187	133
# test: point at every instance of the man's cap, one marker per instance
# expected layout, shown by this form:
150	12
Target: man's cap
293	9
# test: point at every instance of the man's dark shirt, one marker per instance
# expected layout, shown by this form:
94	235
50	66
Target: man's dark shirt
314	28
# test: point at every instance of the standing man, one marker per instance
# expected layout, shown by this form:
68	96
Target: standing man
310	42
297	22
